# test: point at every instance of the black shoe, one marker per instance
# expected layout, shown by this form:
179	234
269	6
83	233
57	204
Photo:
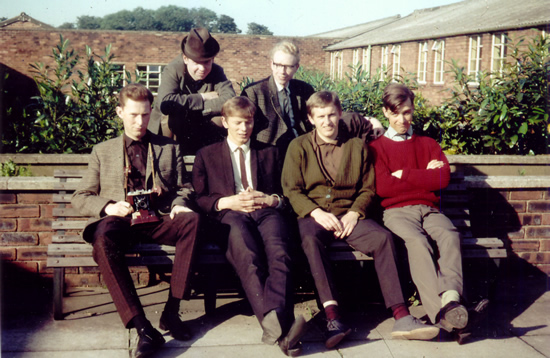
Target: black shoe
272	328
475	315
150	340
171	322
290	344
336	331
453	316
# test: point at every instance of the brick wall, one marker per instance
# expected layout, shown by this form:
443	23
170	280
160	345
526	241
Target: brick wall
240	55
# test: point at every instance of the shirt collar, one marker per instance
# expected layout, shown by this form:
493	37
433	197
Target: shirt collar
233	147
128	141
391	133
280	88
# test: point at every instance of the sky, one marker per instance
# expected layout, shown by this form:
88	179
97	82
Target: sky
282	17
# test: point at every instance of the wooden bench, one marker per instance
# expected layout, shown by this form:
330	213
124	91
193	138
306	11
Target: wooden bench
68	249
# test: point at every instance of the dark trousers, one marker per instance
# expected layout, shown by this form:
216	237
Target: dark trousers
258	250
367	237
113	236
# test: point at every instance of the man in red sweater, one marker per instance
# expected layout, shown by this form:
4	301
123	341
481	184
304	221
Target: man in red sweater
410	172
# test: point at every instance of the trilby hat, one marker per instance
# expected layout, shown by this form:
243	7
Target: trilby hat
199	45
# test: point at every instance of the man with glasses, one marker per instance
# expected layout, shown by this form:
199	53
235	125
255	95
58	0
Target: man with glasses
280	99
192	92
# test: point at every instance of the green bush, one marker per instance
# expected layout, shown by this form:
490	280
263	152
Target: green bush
75	109
10	169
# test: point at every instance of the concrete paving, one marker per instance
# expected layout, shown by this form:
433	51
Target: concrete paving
518	325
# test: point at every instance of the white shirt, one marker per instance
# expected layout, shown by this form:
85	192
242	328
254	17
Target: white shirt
393	135
235	161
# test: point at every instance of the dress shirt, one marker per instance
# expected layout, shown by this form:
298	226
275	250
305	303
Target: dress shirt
393	135
290	112
137	157
235	161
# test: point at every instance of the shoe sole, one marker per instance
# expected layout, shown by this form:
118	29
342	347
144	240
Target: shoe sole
290	344
420	334
455	318
334	340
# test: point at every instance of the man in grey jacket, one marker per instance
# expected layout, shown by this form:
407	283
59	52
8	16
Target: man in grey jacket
138	161
192	91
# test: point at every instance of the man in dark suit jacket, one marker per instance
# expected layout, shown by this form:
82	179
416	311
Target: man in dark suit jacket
191	94
277	120
237	182
138	160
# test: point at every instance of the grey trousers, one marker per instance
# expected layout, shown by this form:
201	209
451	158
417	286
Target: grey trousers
433	273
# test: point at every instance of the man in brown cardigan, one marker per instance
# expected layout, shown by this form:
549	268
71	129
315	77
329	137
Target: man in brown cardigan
328	178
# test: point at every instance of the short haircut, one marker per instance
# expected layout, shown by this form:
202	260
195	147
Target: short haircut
241	107
395	94
286	47
323	99
135	92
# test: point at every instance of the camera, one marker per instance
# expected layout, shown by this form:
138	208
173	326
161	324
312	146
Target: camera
141	201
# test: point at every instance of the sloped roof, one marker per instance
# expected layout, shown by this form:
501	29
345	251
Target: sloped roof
26	19
466	17
352	31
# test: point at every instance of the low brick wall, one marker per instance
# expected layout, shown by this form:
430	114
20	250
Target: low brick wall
514	208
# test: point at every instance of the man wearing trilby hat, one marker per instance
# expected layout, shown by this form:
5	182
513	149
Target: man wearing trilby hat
192	91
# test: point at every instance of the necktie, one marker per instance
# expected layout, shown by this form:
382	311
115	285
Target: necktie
244	180
286	111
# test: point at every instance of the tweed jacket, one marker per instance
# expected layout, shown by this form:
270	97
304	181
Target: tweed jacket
179	95
307	188
103	182
269	125
213	174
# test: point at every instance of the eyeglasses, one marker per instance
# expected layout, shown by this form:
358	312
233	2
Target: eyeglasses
279	66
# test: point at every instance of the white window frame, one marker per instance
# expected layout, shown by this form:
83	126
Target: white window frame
474	46
367	58
147	81
355	57
396	61
498	52
422	74
383	62
122	71
439	61
336	65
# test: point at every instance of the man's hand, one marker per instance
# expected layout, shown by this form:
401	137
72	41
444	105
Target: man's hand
435	164
377	127
349	221
179	209
327	220
120	208
245	201
266	201
397	173
209	95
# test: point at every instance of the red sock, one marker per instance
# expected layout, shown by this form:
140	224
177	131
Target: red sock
331	311
399	310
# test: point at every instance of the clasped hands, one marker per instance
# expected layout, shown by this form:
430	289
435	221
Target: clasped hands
433	164
248	201
342	228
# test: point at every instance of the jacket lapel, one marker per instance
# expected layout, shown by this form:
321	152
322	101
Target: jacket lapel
254	167
275	101
227	166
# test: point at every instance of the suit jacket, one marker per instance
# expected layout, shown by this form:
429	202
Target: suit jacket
269	124
213	174
103	182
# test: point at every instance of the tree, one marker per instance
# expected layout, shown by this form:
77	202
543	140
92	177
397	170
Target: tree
88	22
174	18
67	26
226	24
204	18
257	29
3	18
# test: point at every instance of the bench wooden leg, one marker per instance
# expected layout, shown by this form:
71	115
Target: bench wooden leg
58	292
210	291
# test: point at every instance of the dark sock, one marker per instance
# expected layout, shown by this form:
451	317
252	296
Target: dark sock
172	305
331	312
399	310
141	322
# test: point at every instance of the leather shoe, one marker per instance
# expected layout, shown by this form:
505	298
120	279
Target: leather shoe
150	340
170	321
290	344
453	315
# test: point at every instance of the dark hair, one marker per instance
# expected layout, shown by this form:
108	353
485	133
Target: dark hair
135	92
323	99
239	107
395	94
